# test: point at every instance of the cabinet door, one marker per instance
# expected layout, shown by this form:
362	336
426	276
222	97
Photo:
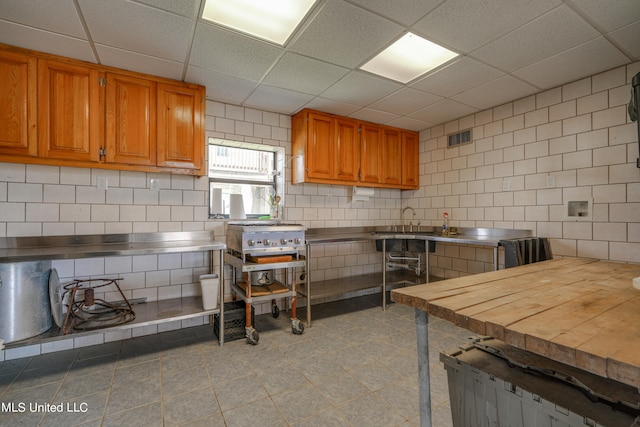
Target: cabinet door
320	150
392	157
181	127
131	120
347	150
18	104
371	153
410	160
69	122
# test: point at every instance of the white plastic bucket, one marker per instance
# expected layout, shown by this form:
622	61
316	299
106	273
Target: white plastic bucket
210	285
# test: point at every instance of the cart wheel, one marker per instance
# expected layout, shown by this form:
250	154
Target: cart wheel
275	311
297	328
252	337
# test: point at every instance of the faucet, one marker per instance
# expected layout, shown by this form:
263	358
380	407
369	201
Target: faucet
402	216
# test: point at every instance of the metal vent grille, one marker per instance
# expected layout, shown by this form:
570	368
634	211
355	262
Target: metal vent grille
460	138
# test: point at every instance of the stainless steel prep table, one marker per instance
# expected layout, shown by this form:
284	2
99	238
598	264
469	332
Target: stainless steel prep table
489	237
18	249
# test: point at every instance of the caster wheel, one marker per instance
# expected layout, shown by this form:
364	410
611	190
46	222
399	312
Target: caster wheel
297	329
275	311
253	337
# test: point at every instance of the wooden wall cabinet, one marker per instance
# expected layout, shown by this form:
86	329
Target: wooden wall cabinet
63	112
325	148
338	150
18	94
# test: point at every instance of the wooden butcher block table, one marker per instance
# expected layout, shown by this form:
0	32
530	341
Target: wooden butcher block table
581	312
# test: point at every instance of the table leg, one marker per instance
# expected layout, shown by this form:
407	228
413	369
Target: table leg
307	283
384	274
424	382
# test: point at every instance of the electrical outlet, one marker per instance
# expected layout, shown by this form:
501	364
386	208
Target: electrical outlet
103	183
551	181
154	184
506	185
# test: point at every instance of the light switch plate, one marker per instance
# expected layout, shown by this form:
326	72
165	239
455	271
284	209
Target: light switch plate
103	183
551	181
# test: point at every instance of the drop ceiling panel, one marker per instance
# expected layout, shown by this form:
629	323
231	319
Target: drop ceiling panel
410	124
590	58
609	15
407	12
345	35
277	100
457	77
628	38
221	87
304	74
226	52
548	35
496	92
374	116
404	101
443	111
466	25
140	63
336	107
360	88
138	28
58	17
44	41
187	8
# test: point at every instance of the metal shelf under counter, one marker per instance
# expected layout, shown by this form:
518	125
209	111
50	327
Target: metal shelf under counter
148	314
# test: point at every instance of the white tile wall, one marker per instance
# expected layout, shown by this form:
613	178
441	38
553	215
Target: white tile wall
580	134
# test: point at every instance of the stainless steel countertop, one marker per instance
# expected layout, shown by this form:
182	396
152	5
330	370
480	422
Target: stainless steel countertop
465	236
17	249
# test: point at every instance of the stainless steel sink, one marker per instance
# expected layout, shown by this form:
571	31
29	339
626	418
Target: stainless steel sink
405	242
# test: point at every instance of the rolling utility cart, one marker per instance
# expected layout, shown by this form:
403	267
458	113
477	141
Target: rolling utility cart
257	252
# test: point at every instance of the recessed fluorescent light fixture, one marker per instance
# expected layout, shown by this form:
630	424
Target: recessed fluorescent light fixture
408	58
272	20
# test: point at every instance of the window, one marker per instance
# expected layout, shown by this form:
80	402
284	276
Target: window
249	170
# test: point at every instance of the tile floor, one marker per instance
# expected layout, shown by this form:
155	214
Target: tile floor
356	366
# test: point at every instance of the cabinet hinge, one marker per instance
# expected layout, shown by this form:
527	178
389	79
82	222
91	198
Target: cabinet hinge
102	81
102	152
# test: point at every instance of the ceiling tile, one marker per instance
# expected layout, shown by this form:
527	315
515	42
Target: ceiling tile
276	99
329	105
607	15
374	116
303	74
443	111
410	124
186	8
495	92
590	58
345	35
360	88
407	12
140	63
138	28
628	39
230	53
457	77
59	17
221	87
552	33
466	25
404	101
44	41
